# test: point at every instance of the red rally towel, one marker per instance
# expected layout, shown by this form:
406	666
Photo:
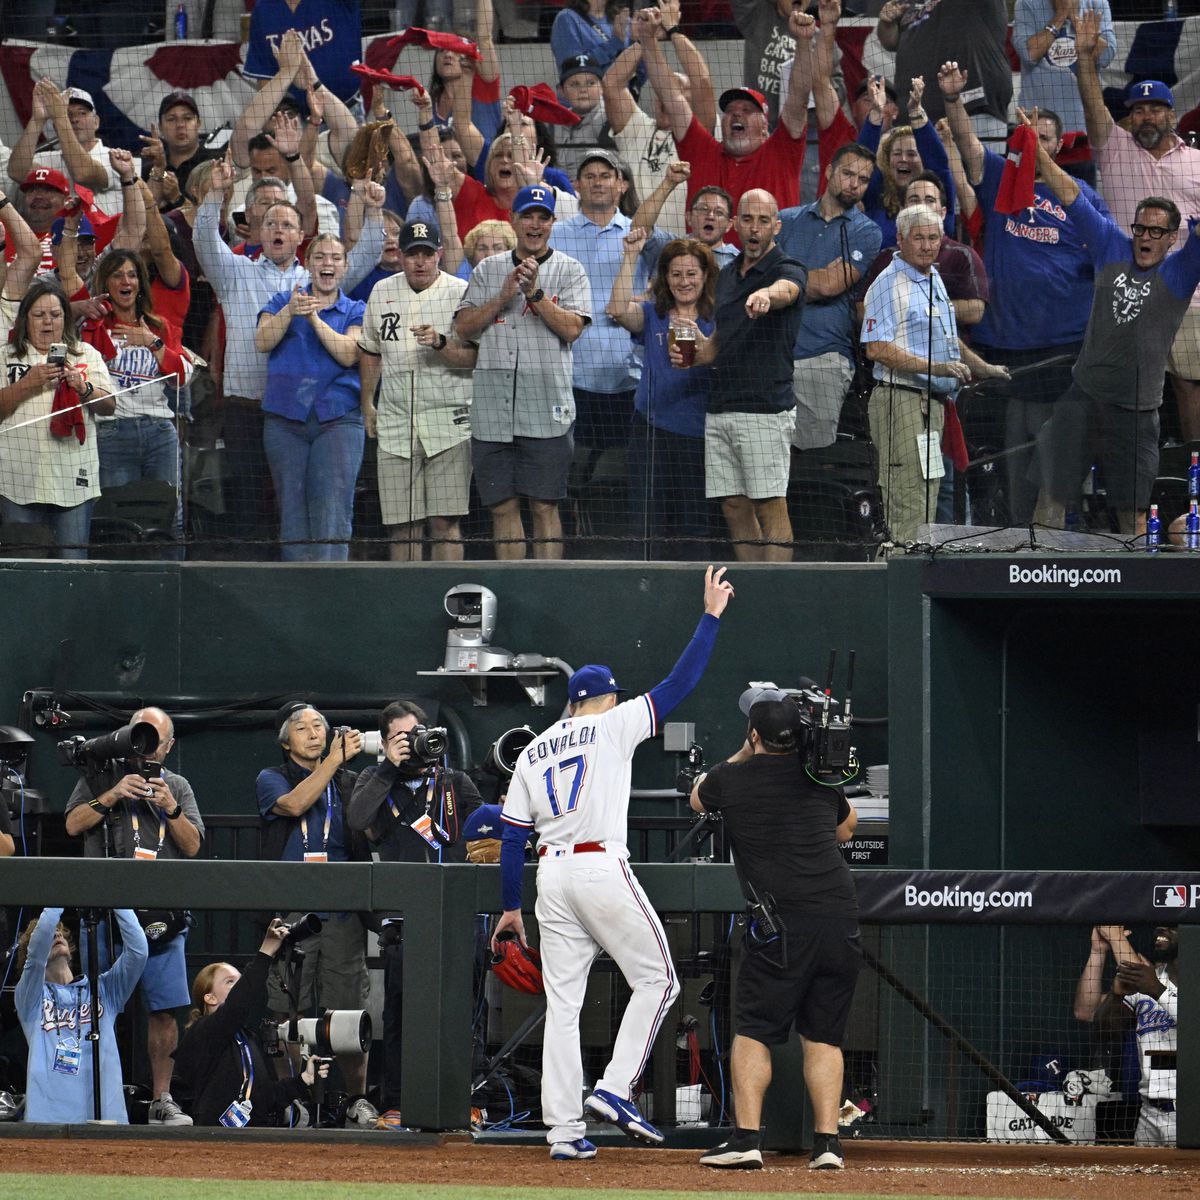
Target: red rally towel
95	333
954	444
431	40
1016	184
372	76
66	416
540	103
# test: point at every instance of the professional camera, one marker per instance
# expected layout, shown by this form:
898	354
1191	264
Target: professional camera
824	723
339	1031
689	772
505	752
428	745
138	740
305	927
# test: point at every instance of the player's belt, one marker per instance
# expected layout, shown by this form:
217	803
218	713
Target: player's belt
577	848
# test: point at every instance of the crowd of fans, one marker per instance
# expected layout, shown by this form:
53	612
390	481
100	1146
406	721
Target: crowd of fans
476	326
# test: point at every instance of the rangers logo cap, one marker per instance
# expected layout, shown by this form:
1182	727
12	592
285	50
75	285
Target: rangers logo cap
419	233
1149	91
537	195
46	177
578	64
590	681
484	822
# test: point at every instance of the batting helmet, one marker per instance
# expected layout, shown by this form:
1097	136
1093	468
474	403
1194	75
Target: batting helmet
517	966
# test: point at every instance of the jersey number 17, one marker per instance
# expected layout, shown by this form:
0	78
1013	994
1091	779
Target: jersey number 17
577	765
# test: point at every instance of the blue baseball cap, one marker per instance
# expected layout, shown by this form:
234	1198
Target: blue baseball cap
536	195
590	681
85	229
484	822
1149	91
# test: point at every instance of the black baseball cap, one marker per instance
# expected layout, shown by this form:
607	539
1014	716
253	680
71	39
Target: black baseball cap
419	233
580	64
174	100
777	722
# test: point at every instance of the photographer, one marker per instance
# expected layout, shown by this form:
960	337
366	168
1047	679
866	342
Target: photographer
136	808
800	967
221	1073
411	811
302	803
54	1004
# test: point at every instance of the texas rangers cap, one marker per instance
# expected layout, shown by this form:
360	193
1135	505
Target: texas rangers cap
419	233
173	100
1149	91
46	177
590	681
86	229
537	195
579	64
776	721
744	93
79	96
484	822
752	695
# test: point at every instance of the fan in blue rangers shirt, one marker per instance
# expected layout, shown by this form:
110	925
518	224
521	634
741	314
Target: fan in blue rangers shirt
571	785
1141	295
331	31
57	1012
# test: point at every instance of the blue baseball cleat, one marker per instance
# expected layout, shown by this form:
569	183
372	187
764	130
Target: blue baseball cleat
579	1148
624	1116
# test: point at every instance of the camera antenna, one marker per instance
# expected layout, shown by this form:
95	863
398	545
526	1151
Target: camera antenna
847	716
828	690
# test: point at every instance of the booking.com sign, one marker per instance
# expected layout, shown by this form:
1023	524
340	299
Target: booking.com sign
1177	895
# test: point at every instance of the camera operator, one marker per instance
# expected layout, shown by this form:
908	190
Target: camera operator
136	808
221	1073
55	1004
801	963
302	803
411	811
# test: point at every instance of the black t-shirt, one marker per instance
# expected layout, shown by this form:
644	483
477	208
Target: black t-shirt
783	828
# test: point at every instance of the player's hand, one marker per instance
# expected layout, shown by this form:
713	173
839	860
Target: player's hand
717	592
1137	976
510	919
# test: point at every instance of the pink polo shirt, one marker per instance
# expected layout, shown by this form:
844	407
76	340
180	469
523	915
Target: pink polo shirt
1129	174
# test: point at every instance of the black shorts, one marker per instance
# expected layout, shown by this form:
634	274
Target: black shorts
813	992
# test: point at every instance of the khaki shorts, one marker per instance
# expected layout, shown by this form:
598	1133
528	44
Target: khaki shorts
820	385
1185	351
411	489
747	454
334	974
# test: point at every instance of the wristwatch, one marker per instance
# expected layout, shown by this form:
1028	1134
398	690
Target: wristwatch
176	813
538	295
157	344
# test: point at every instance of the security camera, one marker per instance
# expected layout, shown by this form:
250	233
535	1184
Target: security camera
472	609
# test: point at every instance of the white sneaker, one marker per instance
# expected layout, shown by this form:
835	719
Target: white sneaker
164	1111
362	1114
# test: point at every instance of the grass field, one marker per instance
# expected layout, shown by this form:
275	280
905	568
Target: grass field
123	1187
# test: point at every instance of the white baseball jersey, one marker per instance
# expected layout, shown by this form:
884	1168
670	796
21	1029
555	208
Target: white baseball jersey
572	783
1156	1029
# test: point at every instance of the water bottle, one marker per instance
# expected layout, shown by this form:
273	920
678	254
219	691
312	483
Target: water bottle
1153	531
181	22
1191	534
1171	10
1194	477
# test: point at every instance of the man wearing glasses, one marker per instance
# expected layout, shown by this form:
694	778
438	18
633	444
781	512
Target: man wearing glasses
1111	409
709	217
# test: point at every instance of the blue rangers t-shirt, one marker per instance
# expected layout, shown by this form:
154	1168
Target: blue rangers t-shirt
332	35
1039	267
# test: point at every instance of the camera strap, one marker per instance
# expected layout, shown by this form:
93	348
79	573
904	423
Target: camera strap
765	929
247	1067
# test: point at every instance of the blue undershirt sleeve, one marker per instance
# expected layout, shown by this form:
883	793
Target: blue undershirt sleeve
685	674
512	865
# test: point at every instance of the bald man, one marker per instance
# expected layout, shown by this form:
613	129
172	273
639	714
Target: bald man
136	808
751	408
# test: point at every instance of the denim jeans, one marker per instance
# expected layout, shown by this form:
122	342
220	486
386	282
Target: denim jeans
314	465
134	448
71	526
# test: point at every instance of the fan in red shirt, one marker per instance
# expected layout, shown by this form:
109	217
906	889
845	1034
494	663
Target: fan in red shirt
748	156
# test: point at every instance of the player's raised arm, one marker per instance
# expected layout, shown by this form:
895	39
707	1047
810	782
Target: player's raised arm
687	670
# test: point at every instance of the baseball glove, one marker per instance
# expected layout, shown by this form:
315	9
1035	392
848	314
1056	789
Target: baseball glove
518	967
367	155
484	850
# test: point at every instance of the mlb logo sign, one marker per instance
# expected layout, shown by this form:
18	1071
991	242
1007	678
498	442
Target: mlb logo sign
1174	895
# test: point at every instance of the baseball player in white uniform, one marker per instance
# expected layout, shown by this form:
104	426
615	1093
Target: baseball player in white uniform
1145	997
571	787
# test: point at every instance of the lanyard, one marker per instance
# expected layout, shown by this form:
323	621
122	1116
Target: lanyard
328	819
414	789
133	820
247	1066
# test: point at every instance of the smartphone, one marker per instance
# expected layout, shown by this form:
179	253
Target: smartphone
239	217
148	770
56	356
